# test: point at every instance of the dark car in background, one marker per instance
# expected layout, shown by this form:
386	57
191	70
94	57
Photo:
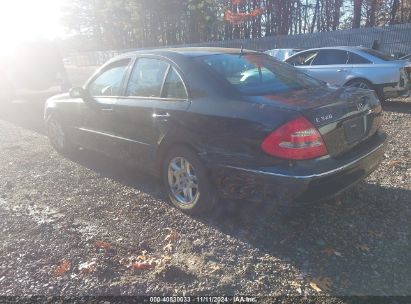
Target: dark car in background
223	123
33	66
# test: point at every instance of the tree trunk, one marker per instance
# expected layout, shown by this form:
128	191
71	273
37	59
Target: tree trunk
317	4
371	13
356	22
394	10
337	14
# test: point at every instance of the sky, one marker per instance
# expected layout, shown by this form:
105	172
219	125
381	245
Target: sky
22	20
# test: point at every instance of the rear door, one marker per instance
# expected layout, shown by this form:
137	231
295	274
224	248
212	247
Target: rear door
154	98
331	66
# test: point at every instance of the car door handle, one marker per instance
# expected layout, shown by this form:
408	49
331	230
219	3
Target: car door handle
340	70
162	115
106	109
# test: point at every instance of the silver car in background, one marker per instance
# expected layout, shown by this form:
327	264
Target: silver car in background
357	66
282	54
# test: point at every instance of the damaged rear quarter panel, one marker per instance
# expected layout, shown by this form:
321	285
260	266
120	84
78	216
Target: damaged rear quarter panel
229	131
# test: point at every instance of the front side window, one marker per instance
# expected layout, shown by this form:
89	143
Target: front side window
109	82
302	59
147	78
327	57
174	86
255	74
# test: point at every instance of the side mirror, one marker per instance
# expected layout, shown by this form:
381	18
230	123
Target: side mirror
77	92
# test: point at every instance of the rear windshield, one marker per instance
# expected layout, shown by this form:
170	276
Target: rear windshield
255	74
378	54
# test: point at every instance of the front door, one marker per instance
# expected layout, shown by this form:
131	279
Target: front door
95	128
330	66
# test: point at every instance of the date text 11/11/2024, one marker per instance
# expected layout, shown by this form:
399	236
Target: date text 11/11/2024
202	299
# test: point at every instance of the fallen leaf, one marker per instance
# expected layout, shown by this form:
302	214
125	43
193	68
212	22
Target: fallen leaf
323	284
168	247
373	233
165	259
328	251
87	267
124	261
338	253
141	257
102	245
62	268
394	162
214	268
363	247
295	284
172	237
142	265
345	283
331	251
315	287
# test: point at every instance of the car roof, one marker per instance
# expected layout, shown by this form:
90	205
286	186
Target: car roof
286	49
186	51
344	48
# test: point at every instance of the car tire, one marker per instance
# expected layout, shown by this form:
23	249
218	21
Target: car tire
186	181
56	132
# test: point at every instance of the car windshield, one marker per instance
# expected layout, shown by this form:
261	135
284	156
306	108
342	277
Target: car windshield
378	54
255	74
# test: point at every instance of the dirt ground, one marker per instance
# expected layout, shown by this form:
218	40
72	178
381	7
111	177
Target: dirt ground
87	224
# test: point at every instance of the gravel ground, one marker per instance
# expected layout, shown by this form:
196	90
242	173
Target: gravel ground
87	224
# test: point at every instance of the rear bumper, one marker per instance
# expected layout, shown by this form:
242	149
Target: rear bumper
303	181
395	89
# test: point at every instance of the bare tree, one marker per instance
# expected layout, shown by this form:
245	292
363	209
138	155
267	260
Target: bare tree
337	14
394	9
371	13
356	22
315	16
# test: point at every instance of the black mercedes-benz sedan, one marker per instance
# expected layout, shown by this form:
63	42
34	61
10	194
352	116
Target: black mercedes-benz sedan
218	122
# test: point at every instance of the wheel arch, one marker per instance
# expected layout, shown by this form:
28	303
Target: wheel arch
50	111
166	145
358	78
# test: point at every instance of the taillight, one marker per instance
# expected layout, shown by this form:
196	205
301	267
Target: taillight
297	139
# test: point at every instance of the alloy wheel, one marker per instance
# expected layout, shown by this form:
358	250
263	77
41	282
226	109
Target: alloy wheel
361	85
183	181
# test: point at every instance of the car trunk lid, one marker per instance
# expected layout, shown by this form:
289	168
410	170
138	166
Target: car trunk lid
343	116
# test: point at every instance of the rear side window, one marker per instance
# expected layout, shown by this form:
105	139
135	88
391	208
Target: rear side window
109	82
326	57
174	86
256	74
302	59
357	59
147	78
378	54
